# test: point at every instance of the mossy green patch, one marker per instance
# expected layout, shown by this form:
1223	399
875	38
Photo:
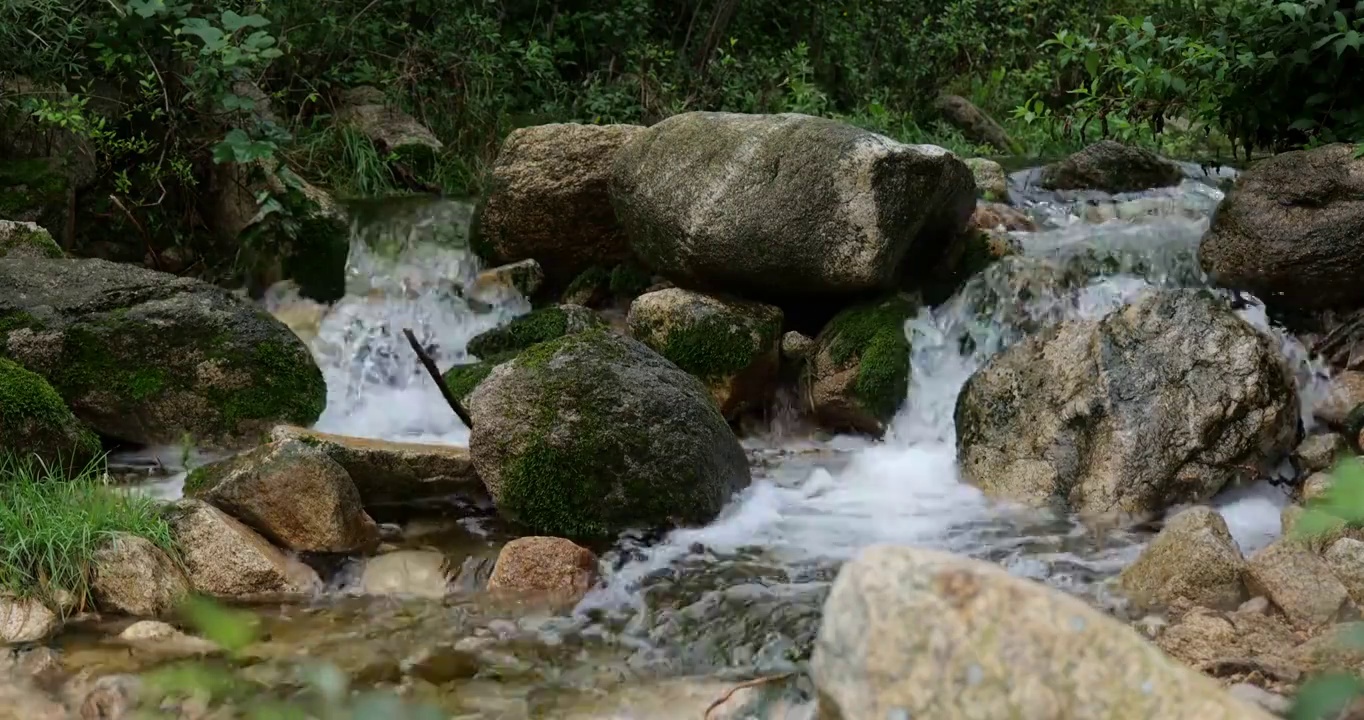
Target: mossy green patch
317	258
198	480
539	355
873	336
462	379
718	345
14	236
33	189
590	287
535	327
285	386
29	401
629	280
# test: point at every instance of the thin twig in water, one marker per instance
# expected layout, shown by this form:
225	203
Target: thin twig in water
430	366
742	686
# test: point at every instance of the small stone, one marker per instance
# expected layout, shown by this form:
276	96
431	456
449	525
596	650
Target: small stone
522	278
1193	560
1258	605
991	181
442	664
164	640
545	565
795	346
25	620
1316	486
1299	583
1319	452
418	573
130	575
1271	702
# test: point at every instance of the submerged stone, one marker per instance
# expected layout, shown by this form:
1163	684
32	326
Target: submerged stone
1112	167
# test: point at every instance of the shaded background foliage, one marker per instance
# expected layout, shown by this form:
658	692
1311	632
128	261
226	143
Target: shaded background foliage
156	87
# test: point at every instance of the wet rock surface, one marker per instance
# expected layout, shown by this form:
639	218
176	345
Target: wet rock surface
1072	413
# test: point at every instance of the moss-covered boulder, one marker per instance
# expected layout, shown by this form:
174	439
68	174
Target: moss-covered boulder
787	207
594	433
28	238
732	346
858	373
549	201
536	327
34	420
150	358
991	182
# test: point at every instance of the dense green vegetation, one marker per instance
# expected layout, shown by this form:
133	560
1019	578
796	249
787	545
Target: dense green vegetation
53	524
164	93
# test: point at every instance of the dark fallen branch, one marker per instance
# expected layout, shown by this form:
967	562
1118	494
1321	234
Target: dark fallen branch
430	366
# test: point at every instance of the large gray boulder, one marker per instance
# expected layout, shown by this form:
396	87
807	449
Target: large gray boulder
1292	230
548	200
595	433
780	206
916	633
1162	402
149	357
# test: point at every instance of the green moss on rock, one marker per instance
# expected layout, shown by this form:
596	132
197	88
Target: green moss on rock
282	388
28	237
590	288
629	280
536	327
33	418
462	379
873	337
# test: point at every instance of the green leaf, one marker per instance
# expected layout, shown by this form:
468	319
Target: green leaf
232	22
213	38
1092	62
146	8
1325	696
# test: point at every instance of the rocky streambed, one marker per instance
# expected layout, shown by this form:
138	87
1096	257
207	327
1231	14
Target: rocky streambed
917	463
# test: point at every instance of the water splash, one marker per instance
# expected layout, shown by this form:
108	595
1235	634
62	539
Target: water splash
409	267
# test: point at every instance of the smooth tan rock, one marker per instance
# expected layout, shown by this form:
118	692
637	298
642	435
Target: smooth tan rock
291	492
1345	557
163	640
991	181
1316	486
225	558
1298	582
24	620
393	472
130	575
1193	560
1344	392
1319	452
544	566
549	199
420	573
910	632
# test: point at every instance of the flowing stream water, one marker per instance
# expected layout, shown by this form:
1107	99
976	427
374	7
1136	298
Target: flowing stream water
742	595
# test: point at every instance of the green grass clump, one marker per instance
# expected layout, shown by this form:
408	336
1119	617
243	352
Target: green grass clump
52	524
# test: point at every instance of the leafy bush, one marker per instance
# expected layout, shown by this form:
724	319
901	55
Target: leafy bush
51	525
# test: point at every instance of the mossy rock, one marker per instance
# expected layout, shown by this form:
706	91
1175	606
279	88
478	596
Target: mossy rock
594	433
462	379
34	190
732	346
35	421
536	327
150	358
590	288
858	374
27	237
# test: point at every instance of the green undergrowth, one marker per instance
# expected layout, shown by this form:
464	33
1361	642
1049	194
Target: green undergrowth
52	523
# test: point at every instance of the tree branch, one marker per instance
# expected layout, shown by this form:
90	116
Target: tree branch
430	366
